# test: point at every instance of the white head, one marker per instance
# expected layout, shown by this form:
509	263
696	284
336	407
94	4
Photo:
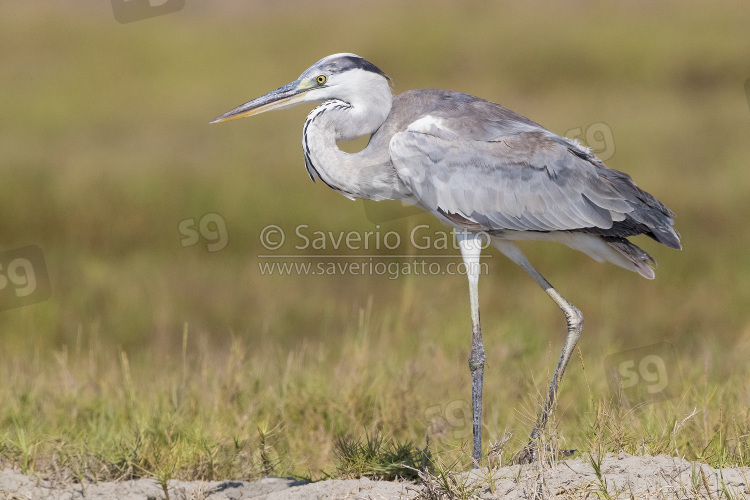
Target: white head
345	77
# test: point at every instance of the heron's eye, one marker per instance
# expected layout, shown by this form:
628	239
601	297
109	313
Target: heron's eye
321	79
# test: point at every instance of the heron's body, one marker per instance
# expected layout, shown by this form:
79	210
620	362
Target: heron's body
477	166
481	167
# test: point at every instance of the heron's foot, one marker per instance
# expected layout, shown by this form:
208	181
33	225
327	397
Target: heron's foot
529	454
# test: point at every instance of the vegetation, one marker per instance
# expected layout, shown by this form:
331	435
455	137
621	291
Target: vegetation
156	356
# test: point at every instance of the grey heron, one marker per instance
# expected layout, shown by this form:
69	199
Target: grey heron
479	167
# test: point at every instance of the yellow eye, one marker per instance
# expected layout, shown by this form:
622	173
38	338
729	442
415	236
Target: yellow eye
321	79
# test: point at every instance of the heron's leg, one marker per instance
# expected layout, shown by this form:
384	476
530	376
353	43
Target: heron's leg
574	320
471	247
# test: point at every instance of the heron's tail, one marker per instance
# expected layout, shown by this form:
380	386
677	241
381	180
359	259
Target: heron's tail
615	249
642	262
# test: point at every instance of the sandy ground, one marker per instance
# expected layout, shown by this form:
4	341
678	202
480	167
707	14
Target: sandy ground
623	476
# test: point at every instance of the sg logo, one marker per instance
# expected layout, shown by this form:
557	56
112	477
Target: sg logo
455	417
23	277
211	226
128	11
597	136
644	375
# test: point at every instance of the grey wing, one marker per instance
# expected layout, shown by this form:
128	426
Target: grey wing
523	179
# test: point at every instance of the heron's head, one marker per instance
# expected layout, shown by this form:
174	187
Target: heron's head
346	77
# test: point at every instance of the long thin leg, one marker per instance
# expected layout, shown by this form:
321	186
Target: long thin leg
471	247
574	320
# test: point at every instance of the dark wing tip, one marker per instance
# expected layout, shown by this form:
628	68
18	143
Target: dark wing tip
667	235
643	263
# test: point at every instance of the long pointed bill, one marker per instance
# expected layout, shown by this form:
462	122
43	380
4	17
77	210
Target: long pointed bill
283	97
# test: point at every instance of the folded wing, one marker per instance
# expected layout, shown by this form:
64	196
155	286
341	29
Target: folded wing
510	175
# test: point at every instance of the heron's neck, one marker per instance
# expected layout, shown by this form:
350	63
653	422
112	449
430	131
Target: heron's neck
367	174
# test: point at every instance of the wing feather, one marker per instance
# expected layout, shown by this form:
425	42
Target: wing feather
519	176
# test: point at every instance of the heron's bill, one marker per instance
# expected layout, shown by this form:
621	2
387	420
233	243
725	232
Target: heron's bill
283	97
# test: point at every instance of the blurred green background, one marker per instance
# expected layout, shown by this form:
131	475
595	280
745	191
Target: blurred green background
105	148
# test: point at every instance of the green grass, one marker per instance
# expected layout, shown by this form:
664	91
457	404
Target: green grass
151	359
373	456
